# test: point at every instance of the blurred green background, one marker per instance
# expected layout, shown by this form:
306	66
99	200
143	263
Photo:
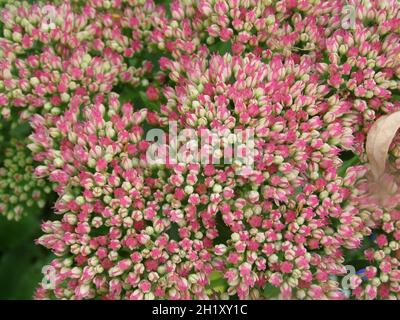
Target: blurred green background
21	260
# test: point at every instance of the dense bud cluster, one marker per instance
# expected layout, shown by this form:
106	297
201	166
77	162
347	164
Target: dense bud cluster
20	190
299	83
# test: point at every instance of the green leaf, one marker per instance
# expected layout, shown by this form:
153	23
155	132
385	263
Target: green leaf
221	47
347	164
215	275
20	271
217	282
14	233
224	232
270	291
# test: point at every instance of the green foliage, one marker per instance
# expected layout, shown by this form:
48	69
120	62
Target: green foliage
217	282
21	260
347	163
270	292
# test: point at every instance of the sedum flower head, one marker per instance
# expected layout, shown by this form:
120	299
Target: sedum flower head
20	190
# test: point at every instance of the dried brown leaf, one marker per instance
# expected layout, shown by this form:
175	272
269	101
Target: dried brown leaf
379	138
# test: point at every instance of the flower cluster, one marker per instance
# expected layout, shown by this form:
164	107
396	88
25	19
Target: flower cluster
51	53
46	82
116	236
297	82
362	63
377	205
20	190
263	27
280	216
